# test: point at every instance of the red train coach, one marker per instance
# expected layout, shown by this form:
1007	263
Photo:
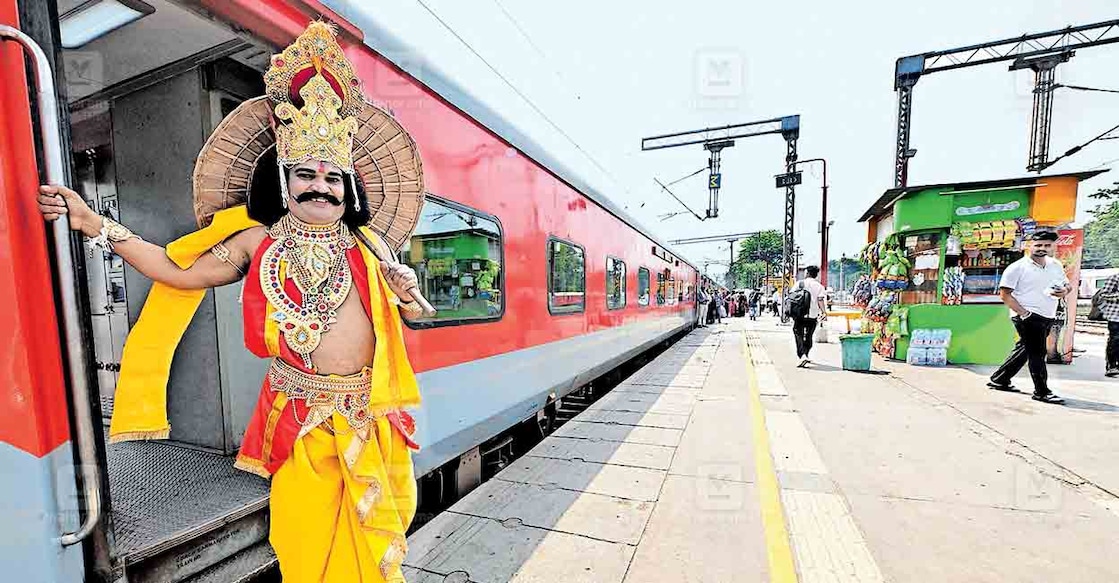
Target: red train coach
543	285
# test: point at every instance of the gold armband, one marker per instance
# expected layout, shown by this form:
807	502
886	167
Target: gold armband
222	252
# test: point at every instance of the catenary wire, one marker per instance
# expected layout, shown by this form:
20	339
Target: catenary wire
521	94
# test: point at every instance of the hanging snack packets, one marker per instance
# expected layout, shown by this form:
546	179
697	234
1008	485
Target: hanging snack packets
985	234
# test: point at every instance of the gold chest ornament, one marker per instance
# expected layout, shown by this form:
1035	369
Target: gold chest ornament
314	258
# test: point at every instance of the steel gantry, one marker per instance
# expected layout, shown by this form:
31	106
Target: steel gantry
715	139
732	238
1039	52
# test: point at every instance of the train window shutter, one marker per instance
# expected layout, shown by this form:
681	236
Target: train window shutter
458	256
615	283
567	277
643	286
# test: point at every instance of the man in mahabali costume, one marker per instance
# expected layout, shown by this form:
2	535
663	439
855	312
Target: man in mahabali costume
299	193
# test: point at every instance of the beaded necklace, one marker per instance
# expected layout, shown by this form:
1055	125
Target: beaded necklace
314	257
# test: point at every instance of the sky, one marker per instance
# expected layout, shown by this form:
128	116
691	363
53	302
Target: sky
588	80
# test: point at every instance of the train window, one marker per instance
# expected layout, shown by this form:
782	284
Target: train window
457	254
662	287
567	268
642	287
615	283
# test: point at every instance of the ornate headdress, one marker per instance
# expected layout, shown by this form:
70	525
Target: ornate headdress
317	97
315	110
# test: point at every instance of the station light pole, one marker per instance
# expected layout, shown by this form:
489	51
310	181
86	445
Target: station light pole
824	225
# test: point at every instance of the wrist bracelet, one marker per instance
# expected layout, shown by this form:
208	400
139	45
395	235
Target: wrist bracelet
413	307
112	232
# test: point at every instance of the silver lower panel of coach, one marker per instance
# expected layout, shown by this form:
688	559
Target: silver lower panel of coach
178	511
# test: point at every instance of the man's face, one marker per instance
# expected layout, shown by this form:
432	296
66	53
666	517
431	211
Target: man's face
1042	248
316	192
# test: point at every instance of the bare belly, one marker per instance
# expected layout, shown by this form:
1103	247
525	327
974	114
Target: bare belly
349	344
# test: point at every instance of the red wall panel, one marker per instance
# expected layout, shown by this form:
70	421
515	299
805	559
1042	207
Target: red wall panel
465	162
32	390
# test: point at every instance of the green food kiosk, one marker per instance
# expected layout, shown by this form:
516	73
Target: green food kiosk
937	253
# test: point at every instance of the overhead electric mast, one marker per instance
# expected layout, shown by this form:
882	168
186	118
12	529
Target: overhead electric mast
715	139
1040	52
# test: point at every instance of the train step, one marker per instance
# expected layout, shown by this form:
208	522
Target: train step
178	511
251	564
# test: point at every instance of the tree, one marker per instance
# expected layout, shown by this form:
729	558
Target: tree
747	274
755	253
1101	235
852	269
764	246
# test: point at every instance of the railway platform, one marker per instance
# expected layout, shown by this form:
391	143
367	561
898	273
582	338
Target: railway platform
722	461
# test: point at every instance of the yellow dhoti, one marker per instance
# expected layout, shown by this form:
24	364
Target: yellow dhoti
341	504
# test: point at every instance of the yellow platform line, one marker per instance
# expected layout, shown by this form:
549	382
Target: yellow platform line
782	568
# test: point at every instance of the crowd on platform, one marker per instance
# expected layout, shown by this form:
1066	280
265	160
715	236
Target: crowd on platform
715	304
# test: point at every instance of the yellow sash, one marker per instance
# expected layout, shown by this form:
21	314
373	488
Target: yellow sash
394	382
140	403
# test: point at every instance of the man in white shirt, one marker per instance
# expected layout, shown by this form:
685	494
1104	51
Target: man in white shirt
804	326
704	299
1031	287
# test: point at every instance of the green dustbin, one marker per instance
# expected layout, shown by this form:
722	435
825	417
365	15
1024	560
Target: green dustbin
856	351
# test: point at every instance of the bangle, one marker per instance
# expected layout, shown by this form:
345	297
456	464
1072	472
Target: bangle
412	308
222	252
112	232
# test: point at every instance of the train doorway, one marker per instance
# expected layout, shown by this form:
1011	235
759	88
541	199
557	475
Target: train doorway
143	98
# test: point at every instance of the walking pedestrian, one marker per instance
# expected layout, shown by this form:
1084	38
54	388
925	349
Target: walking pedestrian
704	301
755	303
720	307
1108	301
1031	287
806	303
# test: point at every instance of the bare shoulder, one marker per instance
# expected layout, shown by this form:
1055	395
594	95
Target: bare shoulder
247	241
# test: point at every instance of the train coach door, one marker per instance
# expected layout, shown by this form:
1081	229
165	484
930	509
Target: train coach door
50	487
140	95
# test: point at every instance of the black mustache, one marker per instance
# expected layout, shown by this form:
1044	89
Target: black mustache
306	196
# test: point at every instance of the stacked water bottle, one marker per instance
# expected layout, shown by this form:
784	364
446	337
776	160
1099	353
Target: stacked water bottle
929	347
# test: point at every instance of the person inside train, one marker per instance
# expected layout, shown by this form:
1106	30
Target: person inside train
320	298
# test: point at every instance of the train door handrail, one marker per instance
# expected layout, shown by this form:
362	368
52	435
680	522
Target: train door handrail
76	350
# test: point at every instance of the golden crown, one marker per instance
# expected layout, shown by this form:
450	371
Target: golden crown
316	96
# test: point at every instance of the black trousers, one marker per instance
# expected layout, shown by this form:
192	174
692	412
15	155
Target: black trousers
1112	345
1030	350
803	329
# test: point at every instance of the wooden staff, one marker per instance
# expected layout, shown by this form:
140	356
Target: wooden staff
384	255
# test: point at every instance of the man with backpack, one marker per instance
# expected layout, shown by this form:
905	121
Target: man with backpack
805	304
